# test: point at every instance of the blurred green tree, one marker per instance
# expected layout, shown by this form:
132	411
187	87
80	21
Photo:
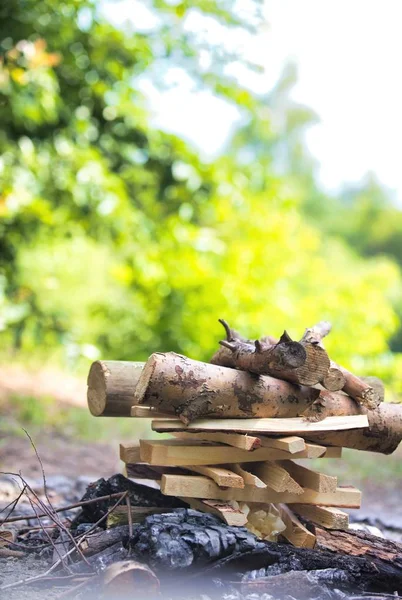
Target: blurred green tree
116	238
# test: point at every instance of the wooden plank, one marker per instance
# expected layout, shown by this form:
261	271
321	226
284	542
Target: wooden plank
276	477
296	533
222	477
255	426
290	444
148	412
309	478
326	516
202	487
223	510
145	471
248	478
181	453
238	440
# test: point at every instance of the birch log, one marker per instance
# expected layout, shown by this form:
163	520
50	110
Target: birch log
191	389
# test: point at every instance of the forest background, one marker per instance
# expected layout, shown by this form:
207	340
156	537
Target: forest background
118	239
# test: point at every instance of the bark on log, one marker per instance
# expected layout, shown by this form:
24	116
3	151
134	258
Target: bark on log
358	543
303	363
178	385
383	435
111	386
358	389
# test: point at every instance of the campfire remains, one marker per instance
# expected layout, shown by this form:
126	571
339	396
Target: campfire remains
239	424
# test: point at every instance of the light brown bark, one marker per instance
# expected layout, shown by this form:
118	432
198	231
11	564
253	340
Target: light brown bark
383	435
111	386
303	363
191	389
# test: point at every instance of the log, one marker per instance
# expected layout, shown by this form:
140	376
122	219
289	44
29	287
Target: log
358	389
176	384
266	426
334	379
303	363
383	434
97	542
120	579
202	487
111	386
358	543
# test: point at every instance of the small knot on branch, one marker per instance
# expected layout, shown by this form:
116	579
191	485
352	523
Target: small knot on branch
227	344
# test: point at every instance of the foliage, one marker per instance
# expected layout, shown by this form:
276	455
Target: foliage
116	239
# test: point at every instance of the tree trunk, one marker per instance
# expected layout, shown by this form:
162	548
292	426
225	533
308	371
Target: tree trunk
111	386
178	385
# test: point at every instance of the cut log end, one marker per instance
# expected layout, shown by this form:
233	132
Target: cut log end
334	380
96	395
111	386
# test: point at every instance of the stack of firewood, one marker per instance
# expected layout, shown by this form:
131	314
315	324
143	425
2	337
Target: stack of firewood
239	423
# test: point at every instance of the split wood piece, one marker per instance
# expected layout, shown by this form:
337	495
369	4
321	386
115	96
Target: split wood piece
296	533
191	389
237	440
180	453
290	444
301	362
326	516
111	384
276	477
310	479
383	434
202	487
223	510
131	453
222	477
249	478
138	513
147	412
266	426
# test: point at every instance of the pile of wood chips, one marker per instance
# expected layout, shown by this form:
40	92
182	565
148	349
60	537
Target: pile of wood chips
240	424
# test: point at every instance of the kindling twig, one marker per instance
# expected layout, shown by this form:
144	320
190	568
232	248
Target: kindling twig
61	509
80	540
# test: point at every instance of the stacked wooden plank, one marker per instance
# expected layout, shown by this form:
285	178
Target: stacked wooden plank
241	424
249	478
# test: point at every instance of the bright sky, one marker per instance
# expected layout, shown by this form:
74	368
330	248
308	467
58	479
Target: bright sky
349	56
